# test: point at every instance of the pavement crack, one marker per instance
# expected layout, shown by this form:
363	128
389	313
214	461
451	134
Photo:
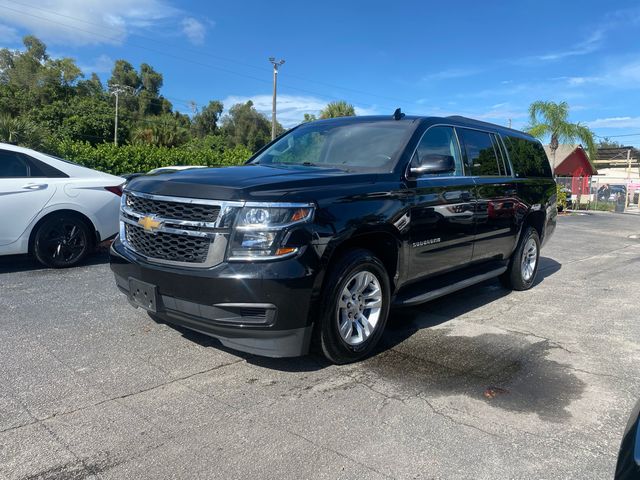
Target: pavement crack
551	343
455	420
120	397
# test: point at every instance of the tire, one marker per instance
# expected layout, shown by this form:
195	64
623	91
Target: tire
518	275
62	241
360	273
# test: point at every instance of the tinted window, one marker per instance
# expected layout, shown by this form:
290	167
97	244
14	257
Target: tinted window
438	141
361	146
503	162
528	157
41	169
12	165
480	155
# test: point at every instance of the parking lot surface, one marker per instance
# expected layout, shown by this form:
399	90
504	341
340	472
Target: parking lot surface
484	383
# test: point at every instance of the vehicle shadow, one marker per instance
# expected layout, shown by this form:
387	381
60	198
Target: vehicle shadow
403	322
308	363
27	263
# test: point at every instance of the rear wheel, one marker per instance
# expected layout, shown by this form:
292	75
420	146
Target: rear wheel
523	267
355	307
62	241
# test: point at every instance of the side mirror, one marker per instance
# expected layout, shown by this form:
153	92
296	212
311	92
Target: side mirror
434	163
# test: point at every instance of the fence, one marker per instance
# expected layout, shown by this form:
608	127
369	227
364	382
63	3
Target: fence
601	193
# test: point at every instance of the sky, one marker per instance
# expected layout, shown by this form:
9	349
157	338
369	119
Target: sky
487	60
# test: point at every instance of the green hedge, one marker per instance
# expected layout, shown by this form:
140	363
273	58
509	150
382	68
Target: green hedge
124	159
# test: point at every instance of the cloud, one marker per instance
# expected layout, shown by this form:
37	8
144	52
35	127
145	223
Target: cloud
8	34
86	22
102	64
617	76
589	45
451	73
194	30
291	108
612	21
614	122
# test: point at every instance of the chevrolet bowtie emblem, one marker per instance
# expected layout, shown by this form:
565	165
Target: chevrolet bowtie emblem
149	224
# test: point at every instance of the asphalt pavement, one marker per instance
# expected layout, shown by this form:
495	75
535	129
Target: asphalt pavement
482	384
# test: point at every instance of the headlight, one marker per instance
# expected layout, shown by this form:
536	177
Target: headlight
261	228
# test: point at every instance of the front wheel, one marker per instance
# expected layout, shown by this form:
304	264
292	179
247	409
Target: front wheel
523	267
62	241
355	307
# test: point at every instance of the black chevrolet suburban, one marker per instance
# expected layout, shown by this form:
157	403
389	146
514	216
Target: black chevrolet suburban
332	224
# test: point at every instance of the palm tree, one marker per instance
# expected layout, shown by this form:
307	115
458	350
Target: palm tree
338	109
20	131
550	119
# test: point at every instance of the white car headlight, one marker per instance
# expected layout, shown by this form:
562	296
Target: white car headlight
260	228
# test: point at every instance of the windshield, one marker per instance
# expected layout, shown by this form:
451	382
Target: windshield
358	146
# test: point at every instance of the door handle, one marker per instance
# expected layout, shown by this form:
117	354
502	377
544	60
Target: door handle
35	186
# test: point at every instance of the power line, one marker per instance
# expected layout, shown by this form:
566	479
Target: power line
226	59
617	136
198	53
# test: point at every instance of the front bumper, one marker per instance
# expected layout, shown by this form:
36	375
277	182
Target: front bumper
260	308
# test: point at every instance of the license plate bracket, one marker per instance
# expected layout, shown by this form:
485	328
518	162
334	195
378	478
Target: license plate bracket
143	294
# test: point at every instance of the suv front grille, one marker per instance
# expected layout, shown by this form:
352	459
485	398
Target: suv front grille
174	230
193	212
167	246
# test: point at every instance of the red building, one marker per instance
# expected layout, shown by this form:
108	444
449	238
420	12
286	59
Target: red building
572	163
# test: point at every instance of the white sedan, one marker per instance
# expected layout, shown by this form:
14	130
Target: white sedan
54	209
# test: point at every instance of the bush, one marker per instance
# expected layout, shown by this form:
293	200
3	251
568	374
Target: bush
124	159
562	197
603	206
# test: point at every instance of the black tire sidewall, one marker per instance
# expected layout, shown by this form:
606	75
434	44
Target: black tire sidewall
333	346
517	280
38	249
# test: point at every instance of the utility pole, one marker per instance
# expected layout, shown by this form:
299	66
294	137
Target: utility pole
116	90
276	64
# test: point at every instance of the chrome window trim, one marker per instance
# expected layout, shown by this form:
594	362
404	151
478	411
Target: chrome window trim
514	174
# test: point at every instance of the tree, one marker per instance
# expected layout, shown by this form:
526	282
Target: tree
606	142
309	117
91	87
244	125
168	130
20	131
550	120
205	122
125	75
338	109
150	79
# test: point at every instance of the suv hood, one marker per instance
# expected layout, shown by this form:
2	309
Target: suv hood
249	182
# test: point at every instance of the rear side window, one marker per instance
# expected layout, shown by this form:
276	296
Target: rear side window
19	165
13	165
528	158
480	154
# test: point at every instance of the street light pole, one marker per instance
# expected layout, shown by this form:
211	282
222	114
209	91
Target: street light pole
276	64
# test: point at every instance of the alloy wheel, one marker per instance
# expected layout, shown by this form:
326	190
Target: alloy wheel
359	308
